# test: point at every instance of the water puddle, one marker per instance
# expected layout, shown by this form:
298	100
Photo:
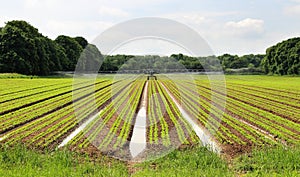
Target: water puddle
138	140
205	138
78	130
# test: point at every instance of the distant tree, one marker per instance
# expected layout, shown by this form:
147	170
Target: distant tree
227	60
283	58
81	41
90	59
72	49
24	50
18	49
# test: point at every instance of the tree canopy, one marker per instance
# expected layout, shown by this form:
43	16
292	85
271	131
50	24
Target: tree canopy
283	58
26	51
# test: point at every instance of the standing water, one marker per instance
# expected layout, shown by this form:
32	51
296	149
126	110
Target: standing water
78	130
202	135
138	139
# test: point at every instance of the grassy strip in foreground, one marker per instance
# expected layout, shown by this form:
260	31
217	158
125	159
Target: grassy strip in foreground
196	161
19	161
192	161
276	161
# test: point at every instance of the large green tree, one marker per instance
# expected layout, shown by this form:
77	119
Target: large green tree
72	49
18	49
283	58
24	50
90	59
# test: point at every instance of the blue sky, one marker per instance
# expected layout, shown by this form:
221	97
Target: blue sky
229	26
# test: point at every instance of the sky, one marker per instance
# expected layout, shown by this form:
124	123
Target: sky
228	26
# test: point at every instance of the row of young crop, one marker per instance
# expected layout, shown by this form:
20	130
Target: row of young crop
112	128
165	124
190	104
226	128
280	105
33	92
22	86
277	126
31	99
279	95
51	127
244	109
287	108
26	114
250	115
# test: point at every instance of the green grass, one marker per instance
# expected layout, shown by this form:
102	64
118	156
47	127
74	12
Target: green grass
15	75
197	161
21	162
276	161
18	161
22	76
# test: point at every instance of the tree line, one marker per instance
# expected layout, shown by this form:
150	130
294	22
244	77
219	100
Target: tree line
26	51
283	58
181	62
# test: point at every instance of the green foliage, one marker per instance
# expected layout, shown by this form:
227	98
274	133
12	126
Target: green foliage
236	62
112	63
90	59
19	161
197	161
72	50
268	102
283	58
193	161
81	41
180	62
26	51
276	161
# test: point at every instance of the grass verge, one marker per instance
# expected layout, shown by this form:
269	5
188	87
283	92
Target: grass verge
275	161
21	162
193	161
196	161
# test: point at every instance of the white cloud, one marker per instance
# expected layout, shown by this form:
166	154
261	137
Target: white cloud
188	18
194	18
88	29
110	11
248	27
219	27
132	4
30	3
150	47
292	10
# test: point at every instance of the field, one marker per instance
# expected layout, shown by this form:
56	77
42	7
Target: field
254	112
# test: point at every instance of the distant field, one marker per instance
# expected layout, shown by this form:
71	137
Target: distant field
260	110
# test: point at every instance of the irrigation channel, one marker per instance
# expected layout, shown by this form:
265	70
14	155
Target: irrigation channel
2	138
204	137
78	130
138	141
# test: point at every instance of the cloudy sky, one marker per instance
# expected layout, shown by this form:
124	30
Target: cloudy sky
229	26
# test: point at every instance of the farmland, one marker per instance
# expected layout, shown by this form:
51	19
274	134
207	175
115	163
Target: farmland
259	111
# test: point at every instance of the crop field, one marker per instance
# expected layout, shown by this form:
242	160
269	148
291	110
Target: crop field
42	113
